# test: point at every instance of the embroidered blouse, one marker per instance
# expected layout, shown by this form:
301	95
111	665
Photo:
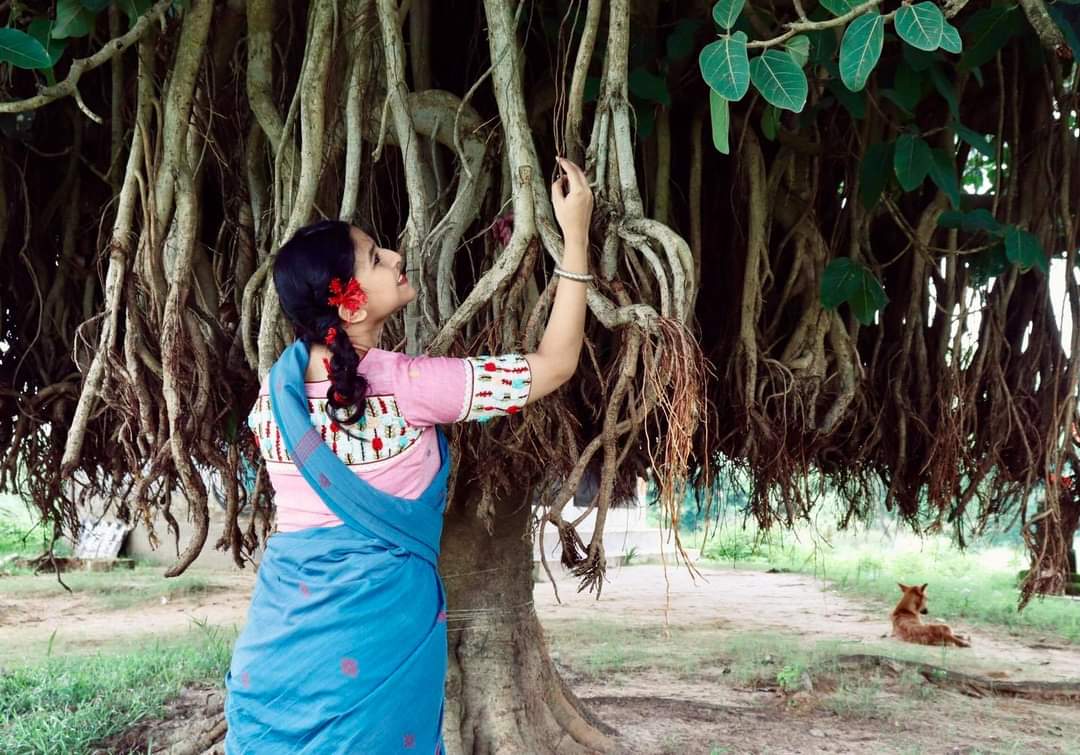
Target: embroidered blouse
395	447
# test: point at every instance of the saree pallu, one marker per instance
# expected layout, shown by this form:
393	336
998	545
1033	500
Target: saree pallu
344	649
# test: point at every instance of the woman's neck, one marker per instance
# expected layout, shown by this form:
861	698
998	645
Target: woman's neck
316	371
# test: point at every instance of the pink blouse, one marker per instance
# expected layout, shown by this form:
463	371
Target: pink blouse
396	448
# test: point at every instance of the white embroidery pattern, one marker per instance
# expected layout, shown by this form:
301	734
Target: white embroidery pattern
383	432
497	386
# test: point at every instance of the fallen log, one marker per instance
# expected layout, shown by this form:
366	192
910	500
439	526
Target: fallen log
969	684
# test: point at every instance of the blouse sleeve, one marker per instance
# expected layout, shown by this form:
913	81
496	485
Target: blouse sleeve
441	390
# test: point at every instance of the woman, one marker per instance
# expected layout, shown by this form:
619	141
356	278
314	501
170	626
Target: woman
344	649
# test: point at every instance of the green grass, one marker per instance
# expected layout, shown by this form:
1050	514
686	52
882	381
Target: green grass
603	648
64	704
20	534
113	590
977	585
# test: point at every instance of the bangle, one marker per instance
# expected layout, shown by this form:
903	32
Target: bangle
582	277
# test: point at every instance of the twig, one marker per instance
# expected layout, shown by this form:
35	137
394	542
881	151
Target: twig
68	87
801	26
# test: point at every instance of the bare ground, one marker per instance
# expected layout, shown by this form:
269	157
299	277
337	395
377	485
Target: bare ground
700	708
741	601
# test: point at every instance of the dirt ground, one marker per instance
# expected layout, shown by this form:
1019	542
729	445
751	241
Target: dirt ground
737	600
660	712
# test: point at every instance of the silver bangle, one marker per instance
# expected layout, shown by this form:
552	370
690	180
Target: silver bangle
582	277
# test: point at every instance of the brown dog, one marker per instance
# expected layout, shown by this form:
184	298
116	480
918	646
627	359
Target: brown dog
909	627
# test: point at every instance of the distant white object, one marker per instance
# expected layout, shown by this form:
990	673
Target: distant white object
100	539
626	530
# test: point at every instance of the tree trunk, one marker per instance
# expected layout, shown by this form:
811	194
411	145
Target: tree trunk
503	692
1053	558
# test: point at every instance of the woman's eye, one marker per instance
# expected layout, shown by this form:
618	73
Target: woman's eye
377	259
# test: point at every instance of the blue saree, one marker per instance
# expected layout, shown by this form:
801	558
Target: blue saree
344	650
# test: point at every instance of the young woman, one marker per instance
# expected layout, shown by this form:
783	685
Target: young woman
344	649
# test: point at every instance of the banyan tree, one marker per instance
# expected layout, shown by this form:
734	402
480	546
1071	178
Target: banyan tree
825	239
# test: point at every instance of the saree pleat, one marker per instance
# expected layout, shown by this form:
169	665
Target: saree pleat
344	649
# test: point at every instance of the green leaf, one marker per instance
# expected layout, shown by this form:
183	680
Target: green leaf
911	161
987	264
860	49
779	79
972	221
908	85
853	102
943	173
839	282
823	46
874	173
725	67
950	39
920	25
846	280
648	86
645	122
798	48
726	12
987	30
1024	250
839	7
41	30
919	60
95	6
72	20
945	89
975	139
133	8
592	88
680	43
770	122
22	51
897	99
720	116
868	299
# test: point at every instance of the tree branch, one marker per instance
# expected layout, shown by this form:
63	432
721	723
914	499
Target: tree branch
801	26
1049	33
67	87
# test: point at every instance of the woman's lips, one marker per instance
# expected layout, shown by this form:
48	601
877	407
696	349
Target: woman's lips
402	279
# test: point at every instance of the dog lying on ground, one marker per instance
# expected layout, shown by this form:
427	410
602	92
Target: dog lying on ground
908	626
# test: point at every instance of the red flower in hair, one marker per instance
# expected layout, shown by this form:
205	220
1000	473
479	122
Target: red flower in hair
352	297
331	334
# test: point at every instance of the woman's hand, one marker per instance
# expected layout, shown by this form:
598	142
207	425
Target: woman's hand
573	201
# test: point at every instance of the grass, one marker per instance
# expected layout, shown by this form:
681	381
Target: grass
113	590
110	590
613	653
600	648
65	704
977	585
20	535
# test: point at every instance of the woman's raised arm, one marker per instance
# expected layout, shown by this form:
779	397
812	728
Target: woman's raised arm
556	357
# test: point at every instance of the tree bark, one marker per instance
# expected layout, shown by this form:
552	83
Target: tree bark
504	695
1053	558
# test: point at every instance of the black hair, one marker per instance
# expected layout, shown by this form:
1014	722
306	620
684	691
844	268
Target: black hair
303	269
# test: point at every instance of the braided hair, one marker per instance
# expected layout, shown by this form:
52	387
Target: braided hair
303	269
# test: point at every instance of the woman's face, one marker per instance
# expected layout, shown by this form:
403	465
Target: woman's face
381	273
